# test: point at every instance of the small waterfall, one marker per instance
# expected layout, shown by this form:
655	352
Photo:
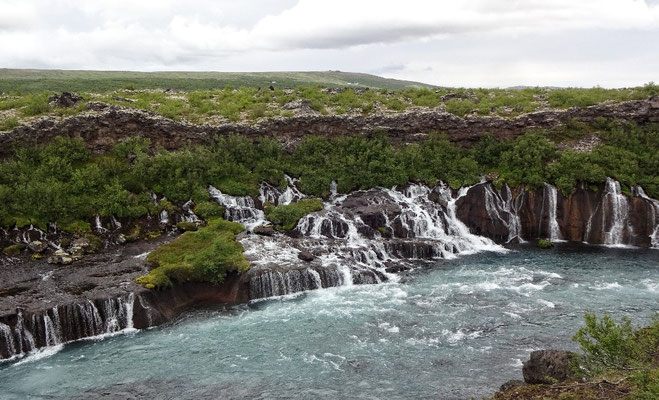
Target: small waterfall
66	323
615	211
238	209
271	194
98	225
189	215
496	205
654	236
115	223
7	341
550	199
164	217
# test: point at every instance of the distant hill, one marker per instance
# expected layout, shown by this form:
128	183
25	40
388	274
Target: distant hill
35	80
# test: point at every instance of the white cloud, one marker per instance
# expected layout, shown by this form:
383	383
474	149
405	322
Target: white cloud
270	35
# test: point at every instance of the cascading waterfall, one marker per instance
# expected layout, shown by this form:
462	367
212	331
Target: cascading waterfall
66	323
238	209
496	205
654	236
271	194
550	199
347	249
615	212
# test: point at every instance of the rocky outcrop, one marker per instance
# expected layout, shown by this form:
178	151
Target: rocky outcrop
105	125
548	366
605	216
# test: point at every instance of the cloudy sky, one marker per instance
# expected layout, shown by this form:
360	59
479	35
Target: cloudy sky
488	43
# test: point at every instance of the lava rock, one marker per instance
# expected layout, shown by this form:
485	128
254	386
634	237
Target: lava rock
265	230
305	255
511	384
60	257
64	100
121	239
548	366
37	246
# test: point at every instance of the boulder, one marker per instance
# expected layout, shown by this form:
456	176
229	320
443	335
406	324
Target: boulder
548	366
65	99
187	226
305	255
265	230
60	257
511	384
37	246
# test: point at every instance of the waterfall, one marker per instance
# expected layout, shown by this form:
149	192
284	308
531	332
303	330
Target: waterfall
615	211
654	236
271	194
550	198
355	238
238	208
66	323
98	225
496	205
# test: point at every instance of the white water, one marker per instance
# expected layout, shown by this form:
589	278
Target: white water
654	236
345	251
504	210
616	225
550	199
116	317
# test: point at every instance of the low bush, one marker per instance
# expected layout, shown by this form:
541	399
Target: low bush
285	217
205	255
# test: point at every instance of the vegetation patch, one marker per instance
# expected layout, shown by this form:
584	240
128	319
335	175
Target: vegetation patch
14	250
545	244
208	209
285	217
203	256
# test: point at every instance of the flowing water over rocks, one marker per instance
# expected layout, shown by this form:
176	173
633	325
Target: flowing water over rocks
365	237
452	329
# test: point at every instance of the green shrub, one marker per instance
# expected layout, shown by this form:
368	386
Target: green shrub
208	209
187	226
608	345
285	217
14	250
9	124
545	244
205	255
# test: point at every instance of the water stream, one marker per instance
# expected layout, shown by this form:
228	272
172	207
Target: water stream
453	329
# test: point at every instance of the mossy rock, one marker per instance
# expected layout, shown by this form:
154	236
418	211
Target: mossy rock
77	226
205	255
14	250
208	209
187	226
134	234
545	244
285	217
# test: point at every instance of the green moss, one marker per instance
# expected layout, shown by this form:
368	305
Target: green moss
545	244
36	256
187	226
76	226
205	255
14	250
285	217
153	235
134	234
208	209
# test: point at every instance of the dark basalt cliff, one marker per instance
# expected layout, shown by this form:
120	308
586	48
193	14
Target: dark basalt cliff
106	125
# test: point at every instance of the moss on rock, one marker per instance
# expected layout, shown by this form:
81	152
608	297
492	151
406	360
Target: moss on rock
285	217
204	256
14	250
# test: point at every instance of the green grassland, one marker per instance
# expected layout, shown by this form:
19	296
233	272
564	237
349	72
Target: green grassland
35	80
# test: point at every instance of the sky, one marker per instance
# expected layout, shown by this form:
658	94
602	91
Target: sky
461	43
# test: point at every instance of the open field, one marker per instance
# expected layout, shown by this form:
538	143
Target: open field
35	80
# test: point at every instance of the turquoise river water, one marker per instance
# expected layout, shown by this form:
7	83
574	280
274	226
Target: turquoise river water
454	329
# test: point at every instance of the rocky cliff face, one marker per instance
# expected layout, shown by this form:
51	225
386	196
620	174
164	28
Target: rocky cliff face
106	125
605	216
